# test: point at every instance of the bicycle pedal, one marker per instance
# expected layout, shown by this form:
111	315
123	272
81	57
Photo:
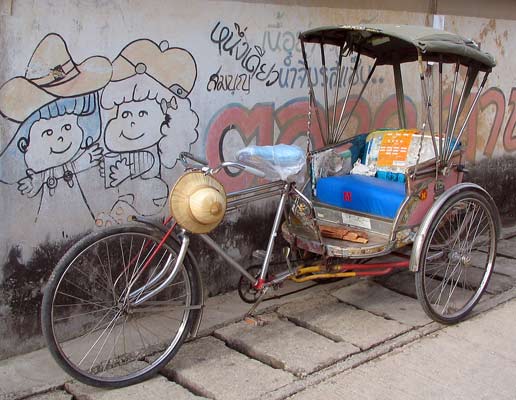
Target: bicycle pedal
254	320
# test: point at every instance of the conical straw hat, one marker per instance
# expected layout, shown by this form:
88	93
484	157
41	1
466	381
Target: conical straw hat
198	202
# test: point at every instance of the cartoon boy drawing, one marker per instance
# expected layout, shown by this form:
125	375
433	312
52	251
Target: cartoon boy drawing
57	106
153	123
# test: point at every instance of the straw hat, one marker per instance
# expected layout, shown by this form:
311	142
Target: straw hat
198	202
51	74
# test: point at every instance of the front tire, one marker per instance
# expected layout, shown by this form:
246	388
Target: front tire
94	329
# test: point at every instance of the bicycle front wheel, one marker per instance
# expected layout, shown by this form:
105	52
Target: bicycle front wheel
93	318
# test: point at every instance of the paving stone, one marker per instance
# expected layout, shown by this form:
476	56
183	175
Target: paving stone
503	265
401	282
210	368
158	387
28	374
506	247
282	344
460	362
53	395
372	297
341	322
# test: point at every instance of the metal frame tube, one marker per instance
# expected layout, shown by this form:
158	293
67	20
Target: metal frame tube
311	89
210	242
358	99
428	107
400	95
477	96
440	111
336	99
274	233
341	116
171	276
325	82
457	112
451	108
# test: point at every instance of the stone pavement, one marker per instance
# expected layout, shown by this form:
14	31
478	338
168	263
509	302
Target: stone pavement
363	339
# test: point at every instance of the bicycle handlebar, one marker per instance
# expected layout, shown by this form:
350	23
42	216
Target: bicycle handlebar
184	155
243	167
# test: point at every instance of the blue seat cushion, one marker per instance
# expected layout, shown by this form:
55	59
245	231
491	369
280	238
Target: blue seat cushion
362	193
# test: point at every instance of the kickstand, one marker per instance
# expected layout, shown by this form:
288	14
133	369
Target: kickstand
252	319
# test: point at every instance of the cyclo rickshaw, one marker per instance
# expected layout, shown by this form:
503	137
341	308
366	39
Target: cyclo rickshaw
122	300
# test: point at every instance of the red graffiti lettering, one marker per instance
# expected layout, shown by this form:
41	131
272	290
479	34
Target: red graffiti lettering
509	141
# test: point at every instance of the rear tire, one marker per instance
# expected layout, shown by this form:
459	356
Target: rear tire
94	330
457	257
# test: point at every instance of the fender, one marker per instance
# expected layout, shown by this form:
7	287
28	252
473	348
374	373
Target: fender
197	275
434	209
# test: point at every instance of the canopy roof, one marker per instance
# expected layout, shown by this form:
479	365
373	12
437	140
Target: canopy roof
391	44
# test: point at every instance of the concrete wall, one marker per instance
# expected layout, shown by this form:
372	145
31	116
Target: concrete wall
211	77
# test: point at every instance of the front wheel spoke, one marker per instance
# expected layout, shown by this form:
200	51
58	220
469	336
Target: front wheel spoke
115	343
83	301
452	290
84	313
446	280
108	327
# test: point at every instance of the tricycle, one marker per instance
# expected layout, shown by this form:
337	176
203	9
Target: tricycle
122	300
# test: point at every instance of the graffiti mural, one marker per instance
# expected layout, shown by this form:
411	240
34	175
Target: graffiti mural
256	125
56	104
149	95
98	124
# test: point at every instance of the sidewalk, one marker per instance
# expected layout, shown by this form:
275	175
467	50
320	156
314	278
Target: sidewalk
359	339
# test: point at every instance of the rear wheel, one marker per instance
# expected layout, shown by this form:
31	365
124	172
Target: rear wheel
92	321
457	257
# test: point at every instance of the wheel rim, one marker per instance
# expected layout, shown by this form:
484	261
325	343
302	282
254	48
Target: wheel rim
97	327
459	258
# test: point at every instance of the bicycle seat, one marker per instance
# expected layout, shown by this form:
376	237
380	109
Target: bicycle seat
281	161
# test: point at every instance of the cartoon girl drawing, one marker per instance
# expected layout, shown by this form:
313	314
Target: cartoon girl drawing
57	106
153	123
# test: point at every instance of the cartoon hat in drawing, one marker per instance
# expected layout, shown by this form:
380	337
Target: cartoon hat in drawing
173	68
51	74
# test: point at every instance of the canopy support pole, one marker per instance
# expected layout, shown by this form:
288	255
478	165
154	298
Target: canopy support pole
400	94
477	96
450	113
336	99
440	133
427	103
311	92
341	116
325	82
357	100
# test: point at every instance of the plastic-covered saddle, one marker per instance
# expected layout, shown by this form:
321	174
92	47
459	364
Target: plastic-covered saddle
281	161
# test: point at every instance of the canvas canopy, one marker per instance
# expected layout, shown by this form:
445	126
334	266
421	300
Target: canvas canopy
390	44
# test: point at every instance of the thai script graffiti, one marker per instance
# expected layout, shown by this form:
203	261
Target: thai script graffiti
296	76
235	43
229	83
283	41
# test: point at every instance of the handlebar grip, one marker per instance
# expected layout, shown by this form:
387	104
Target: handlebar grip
255	171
